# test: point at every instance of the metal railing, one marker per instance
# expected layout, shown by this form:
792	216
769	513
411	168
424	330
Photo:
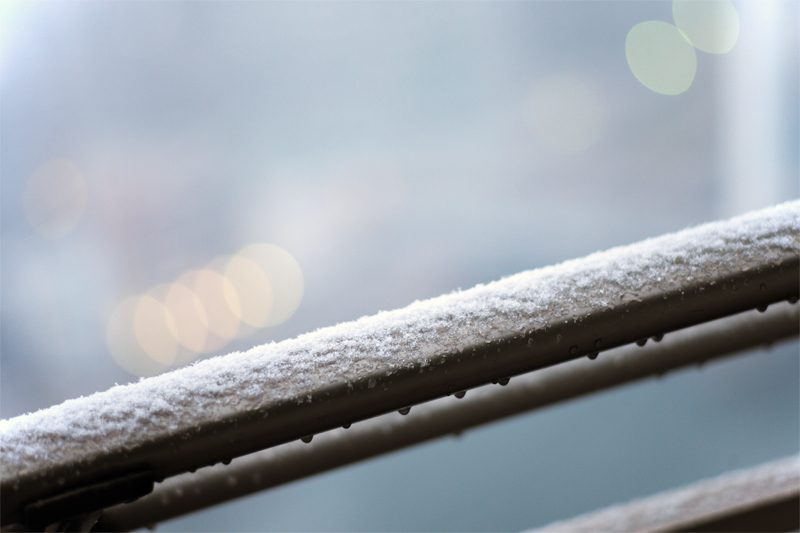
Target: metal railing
763	498
68	463
188	493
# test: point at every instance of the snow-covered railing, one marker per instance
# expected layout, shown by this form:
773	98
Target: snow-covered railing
762	498
77	457
188	493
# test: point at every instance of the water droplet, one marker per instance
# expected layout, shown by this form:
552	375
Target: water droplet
307	438
404	411
573	350
658	337
371	384
761	308
61	481
503	381
763	287
733	288
641	342
593	356
345	426
598	343
531	342
792	299
558	337
460	394
193	470
226	461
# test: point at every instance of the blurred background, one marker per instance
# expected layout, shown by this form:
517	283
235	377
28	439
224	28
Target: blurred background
188	179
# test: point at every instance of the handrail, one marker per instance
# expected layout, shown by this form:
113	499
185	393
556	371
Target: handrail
188	493
762	498
241	403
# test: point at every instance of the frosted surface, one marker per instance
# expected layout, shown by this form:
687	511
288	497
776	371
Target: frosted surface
705	498
127	416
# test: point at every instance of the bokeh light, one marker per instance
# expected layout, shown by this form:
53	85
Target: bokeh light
123	344
221	304
156	331
286	278
191	320
203	310
566	113
251	293
710	25
55	198
660	57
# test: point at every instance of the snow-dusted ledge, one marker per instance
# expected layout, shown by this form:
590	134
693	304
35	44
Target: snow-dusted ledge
233	405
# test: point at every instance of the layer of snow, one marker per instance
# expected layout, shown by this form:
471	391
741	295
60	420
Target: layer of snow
686	506
125	417
268	468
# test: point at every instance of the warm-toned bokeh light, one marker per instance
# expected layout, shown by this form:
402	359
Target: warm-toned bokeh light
660	57
123	343
710	25
284	275
220	301
155	330
55	198
191	321
205	309
565	112
251	292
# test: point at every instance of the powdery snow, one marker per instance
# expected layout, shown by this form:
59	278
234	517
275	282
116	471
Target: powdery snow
692	505
127	416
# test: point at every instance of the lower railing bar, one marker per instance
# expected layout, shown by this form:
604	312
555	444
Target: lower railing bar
762	498
210	486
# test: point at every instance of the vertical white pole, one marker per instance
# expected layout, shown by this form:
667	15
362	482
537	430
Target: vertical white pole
755	104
